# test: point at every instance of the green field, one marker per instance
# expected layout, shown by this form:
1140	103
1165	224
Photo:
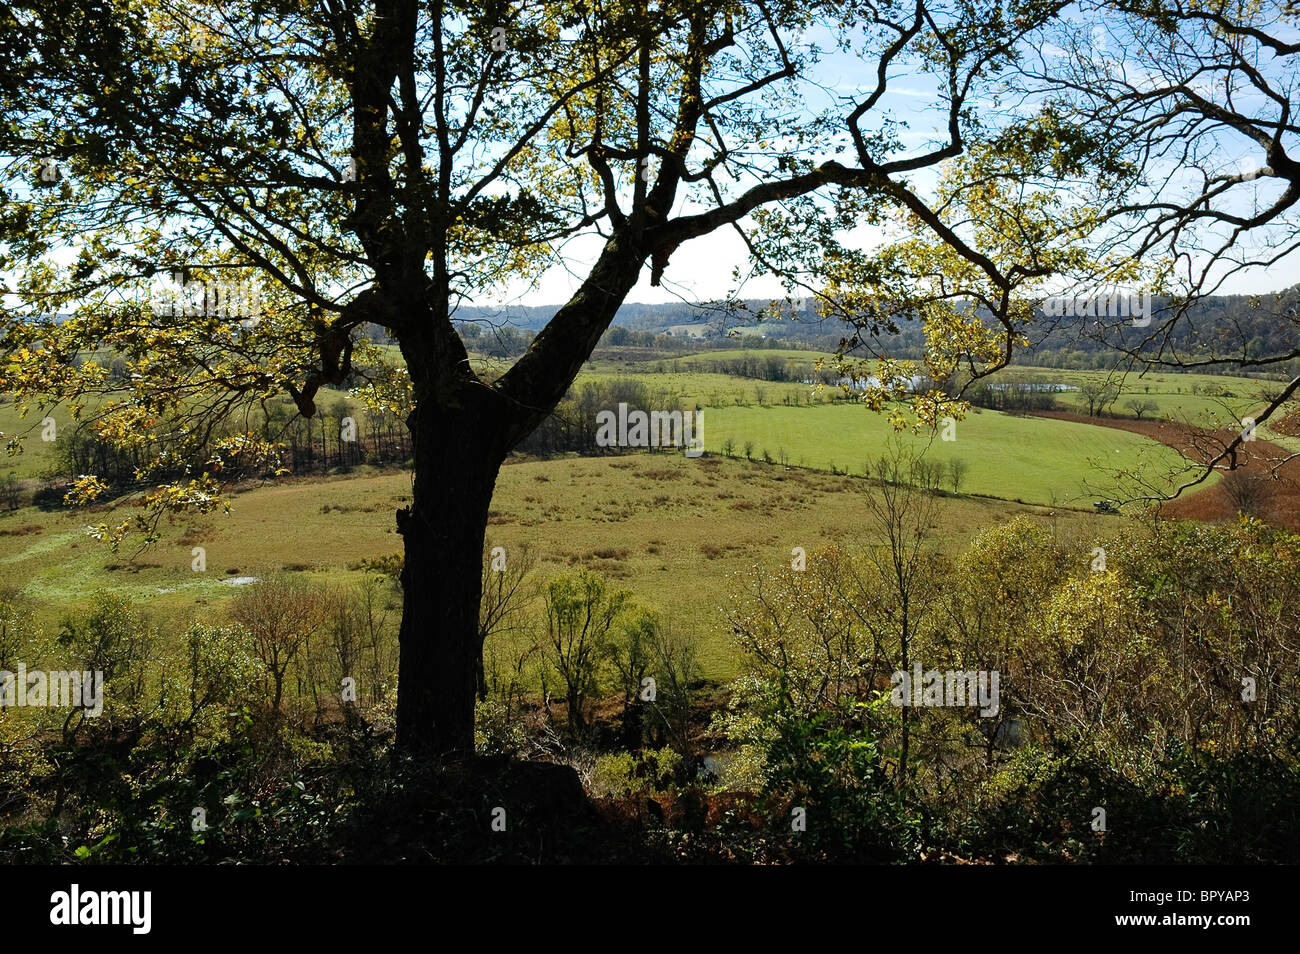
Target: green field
1229	398
719	390
1031	459
37	456
671	529
692	361
1220	400
1011	457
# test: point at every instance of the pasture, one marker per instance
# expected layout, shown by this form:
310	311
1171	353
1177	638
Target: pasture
1028	459
672	530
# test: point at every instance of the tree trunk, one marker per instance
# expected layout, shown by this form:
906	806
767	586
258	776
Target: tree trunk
456	466
902	767
633	724
461	432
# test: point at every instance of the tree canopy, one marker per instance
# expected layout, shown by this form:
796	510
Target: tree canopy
304	170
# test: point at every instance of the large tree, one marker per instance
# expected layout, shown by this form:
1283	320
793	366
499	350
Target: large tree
378	163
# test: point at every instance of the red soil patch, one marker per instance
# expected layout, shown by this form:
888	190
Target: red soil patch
1278	482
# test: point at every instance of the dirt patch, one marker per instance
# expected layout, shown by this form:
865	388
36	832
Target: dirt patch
1262	465
21	531
1288	424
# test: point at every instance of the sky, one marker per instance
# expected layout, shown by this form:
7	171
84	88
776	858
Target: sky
702	269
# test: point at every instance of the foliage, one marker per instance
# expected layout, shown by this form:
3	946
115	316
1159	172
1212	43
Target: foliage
833	767
624	774
581	611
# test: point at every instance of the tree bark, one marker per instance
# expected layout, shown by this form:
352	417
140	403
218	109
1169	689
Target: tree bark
456	466
461	431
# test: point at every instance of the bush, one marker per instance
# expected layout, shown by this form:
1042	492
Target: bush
1191	806
581	612
833	768
10	492
624	773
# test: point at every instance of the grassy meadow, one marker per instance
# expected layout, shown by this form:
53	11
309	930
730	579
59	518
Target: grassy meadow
670	529
784	469
1222	399
37	456
1026	459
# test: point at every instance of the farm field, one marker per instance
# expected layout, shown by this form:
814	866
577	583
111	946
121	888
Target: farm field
37	455
1031	459
1222	398
670	529
703	389
1206	400
1011	457
704	358
1172	393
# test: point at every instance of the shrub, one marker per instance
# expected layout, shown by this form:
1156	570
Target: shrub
624	773
833	768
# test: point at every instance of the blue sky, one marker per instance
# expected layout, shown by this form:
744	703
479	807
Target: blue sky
703	268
